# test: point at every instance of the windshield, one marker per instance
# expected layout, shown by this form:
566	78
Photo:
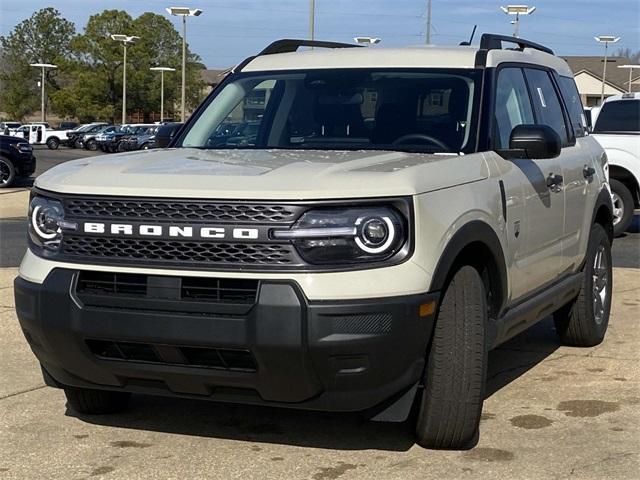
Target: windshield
431	110
619	117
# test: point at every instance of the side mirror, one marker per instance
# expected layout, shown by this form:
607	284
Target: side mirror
535	141
166	133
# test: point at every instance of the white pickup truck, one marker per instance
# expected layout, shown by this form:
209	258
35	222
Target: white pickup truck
617	129
39	134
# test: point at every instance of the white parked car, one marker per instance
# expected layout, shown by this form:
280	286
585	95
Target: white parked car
7	128
40	134
617	128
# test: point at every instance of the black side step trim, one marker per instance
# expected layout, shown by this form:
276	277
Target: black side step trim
527	313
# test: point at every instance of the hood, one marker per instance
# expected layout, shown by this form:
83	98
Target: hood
263	174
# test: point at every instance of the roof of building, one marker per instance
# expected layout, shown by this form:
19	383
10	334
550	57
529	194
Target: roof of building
213	77
618	77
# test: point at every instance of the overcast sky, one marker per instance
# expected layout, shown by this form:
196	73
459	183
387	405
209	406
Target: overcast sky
230	30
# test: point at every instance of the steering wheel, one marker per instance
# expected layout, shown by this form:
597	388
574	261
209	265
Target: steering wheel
420	136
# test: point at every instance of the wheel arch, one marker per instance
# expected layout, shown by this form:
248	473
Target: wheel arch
626	177
478	245
603	212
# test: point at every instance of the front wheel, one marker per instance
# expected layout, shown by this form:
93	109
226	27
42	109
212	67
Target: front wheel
7	173
96	402
622	207
53	143
583	321
454	379
91	145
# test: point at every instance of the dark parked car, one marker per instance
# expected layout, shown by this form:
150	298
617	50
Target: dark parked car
141	140
89	140
74	137
16	159
67	125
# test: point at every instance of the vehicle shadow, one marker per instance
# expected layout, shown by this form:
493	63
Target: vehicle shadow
313	429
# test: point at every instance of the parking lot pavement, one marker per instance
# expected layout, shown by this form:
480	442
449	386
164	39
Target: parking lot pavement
551	412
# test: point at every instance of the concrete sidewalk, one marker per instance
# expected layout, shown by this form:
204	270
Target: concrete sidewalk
14	203
552	412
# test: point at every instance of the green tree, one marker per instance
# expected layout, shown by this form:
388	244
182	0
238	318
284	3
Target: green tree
95	91
42	38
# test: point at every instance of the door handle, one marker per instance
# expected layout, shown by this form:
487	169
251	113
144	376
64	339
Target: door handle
554	182
588	172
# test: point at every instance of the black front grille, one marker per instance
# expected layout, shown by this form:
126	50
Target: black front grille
195	211
178	252
207	357
91	286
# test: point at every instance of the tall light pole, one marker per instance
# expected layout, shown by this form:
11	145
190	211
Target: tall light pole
312	19
126	40
184	12
162	70
630	68
517	10
43	66
428	35
606	39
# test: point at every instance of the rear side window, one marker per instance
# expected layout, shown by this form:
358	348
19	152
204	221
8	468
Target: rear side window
546	102
574	105
619	116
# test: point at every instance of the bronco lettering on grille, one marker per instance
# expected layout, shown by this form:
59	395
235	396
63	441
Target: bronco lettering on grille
171	231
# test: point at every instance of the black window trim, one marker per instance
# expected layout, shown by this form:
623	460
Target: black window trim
492	86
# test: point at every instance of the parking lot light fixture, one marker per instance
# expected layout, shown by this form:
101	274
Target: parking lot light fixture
162	70
606	39
184	12
517	10
367	40
126	40
630	68
43	66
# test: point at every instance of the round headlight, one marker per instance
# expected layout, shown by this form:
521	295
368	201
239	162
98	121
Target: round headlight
45	217
376	234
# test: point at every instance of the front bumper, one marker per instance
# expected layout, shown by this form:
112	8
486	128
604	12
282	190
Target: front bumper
348	355
25	165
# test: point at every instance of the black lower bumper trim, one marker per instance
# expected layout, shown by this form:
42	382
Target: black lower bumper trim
282	350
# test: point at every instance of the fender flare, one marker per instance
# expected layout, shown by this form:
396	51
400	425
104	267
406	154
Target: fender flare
603	199
472	232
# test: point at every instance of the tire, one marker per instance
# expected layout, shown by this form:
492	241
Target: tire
454	379
96	402
622	207
121	147
53	143
583	321
77	144
145	146
91	145
7	173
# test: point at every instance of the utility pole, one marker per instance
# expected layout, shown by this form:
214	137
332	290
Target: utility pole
312	19
43	114
125	39
428	35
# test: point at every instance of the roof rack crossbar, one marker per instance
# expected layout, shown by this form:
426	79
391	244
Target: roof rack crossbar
288	45
490	41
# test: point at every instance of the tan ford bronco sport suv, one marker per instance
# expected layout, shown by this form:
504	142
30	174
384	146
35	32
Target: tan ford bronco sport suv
337	229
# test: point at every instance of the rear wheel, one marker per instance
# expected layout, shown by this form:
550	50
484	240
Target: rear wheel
91	145
53	143
96	402
583	322
7	173
622	207
454	379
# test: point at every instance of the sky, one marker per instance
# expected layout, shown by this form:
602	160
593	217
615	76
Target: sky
230	30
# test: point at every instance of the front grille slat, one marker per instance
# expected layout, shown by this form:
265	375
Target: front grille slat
207	212
177	251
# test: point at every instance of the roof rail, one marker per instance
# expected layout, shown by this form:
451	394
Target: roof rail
288	45
490	41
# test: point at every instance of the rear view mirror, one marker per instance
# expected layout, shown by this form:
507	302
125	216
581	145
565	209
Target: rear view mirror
535	141
166	133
